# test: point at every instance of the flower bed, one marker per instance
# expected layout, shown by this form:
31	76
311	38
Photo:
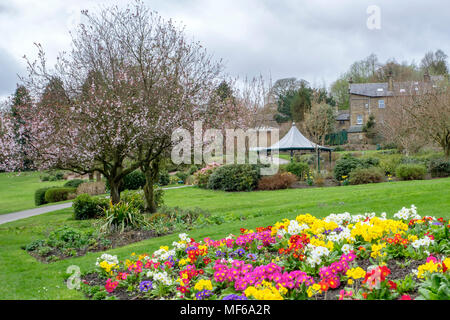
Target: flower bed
341	256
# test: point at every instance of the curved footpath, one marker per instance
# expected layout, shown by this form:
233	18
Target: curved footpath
8	217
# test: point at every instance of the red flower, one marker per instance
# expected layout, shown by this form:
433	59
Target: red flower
392	285
323	285
405	297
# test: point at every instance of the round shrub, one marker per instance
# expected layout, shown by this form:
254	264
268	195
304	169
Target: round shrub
201	176
133	181
280	180
58	194
182	176
87	207
344	166
74	183
39	196
234	177
439	168
389	164
164	178
300	169
366	175
193	169
411	171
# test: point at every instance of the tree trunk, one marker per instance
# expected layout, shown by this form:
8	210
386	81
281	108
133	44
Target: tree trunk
98	176
115	191
151	174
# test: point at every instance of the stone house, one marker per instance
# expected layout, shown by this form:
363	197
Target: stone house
375	98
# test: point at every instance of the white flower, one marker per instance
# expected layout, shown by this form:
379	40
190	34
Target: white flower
110	259
183	237
346	248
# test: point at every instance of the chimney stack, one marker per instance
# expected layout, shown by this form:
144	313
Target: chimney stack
426	76
390	82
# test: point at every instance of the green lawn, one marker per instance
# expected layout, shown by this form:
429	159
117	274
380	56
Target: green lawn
17	190
430	196
22	277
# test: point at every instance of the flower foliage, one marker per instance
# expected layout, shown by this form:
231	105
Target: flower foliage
342	255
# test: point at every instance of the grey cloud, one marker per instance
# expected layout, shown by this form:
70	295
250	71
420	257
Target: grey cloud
8	73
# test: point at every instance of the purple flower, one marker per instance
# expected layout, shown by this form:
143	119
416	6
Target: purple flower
234	297
144	286
203	294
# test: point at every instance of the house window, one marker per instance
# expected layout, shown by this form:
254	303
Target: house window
359	119
380	103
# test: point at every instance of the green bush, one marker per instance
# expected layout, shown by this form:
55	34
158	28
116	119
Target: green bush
58	194
348	163
389	163
39	196
344	166
193	169
182	176
411	171
369	162
439	167
74	183
366	175
234	177
300	169
133	181
201	176
164	178
52	176
87	207
122	216
168	219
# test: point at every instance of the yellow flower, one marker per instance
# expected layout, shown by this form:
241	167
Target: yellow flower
203	284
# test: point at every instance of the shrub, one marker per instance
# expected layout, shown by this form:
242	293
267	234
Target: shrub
122	216
411	171
366	175
348	163
39	196
133	181
164	178
190	180
92	188
344	166
168	219
319	180
280	180
74	183
193	169
439	167
52	176
389	164
300	169
369	162
201	177
234	177
87	207
58	194
182	176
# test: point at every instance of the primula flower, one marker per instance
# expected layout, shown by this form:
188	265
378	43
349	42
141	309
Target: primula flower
145	286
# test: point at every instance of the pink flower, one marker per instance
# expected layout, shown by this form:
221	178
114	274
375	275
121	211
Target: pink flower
405	297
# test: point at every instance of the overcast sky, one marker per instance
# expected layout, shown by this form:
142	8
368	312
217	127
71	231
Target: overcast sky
313	40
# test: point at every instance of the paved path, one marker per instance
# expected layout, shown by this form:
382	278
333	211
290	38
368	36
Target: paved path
4	218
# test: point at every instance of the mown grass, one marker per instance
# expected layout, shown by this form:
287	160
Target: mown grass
23	277
17	190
